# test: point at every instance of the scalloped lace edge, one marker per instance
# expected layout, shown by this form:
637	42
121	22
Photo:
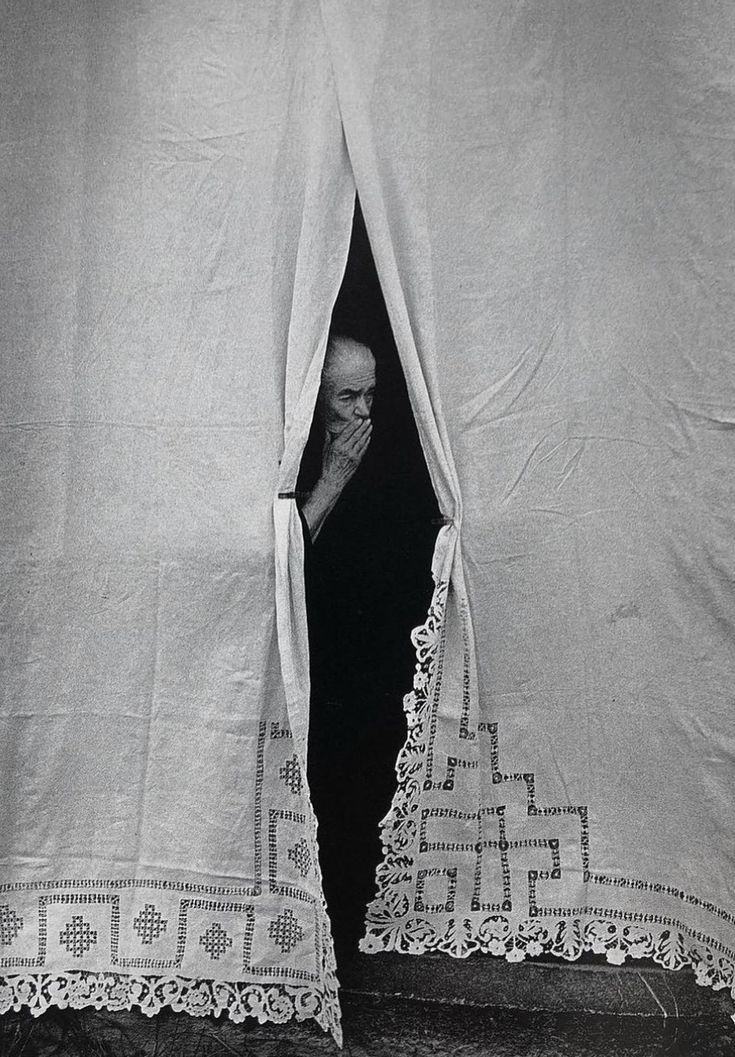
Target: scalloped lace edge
77	989
388	928
565	938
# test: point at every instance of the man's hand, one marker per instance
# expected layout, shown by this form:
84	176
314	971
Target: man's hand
343	453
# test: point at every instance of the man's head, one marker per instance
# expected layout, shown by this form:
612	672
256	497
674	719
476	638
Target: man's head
348	384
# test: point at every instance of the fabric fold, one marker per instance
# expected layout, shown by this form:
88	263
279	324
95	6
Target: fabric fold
548	195
179	208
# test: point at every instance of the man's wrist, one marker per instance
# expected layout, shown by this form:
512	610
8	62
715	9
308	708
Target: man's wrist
329	487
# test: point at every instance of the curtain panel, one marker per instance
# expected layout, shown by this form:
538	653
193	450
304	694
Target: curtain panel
176	218
548	189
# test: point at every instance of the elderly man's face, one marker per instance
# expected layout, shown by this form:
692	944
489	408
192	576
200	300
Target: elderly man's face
348	387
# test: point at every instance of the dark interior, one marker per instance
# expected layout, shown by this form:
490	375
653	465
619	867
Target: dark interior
368	585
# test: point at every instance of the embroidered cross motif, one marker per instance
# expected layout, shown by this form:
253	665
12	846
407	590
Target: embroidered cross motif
285	931
291	774
149	924
300	856
215	941
10	925
277	731
78	936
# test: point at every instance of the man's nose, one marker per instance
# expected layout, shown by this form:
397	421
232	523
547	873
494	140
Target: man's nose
361	408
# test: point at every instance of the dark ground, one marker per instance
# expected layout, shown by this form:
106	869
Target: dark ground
581	1011
373	1028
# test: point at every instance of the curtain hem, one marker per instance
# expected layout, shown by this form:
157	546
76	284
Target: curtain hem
391	925
78	989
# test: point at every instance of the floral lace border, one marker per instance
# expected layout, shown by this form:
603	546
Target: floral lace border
77	989
389	926
566	938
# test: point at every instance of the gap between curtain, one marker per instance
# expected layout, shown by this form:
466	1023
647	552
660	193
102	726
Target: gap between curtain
611	910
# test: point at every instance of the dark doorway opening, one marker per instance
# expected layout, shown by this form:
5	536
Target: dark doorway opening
368	583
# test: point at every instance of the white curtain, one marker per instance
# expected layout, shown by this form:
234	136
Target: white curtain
176	218
548	188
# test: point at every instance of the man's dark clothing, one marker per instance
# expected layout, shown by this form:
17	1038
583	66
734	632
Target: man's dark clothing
367	584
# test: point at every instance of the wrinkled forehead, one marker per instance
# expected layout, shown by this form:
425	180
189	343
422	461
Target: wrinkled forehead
350	366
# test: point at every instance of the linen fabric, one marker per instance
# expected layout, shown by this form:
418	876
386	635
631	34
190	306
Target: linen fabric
548	190
547	186
177	209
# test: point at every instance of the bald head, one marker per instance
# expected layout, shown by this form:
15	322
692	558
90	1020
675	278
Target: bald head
348	383
343	354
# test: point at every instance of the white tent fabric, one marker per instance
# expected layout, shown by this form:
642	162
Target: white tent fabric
548	189
176	218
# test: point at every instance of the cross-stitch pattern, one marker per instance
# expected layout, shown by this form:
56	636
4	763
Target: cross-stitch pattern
291	775
285	931
78	936
215	940
10	925
516	846
300	856
149	924
167	939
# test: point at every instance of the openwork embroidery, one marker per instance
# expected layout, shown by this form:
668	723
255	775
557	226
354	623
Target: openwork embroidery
291	775
149	924
10	925
285	931
515	851
78	936
215	941
300	856
160	940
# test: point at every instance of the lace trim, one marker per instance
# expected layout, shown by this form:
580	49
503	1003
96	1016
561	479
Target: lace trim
389	925
295	993
77	989
566	938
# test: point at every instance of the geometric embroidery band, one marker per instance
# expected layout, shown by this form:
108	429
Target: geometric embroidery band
427	841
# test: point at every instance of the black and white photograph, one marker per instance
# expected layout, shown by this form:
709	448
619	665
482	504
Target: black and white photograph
367	528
